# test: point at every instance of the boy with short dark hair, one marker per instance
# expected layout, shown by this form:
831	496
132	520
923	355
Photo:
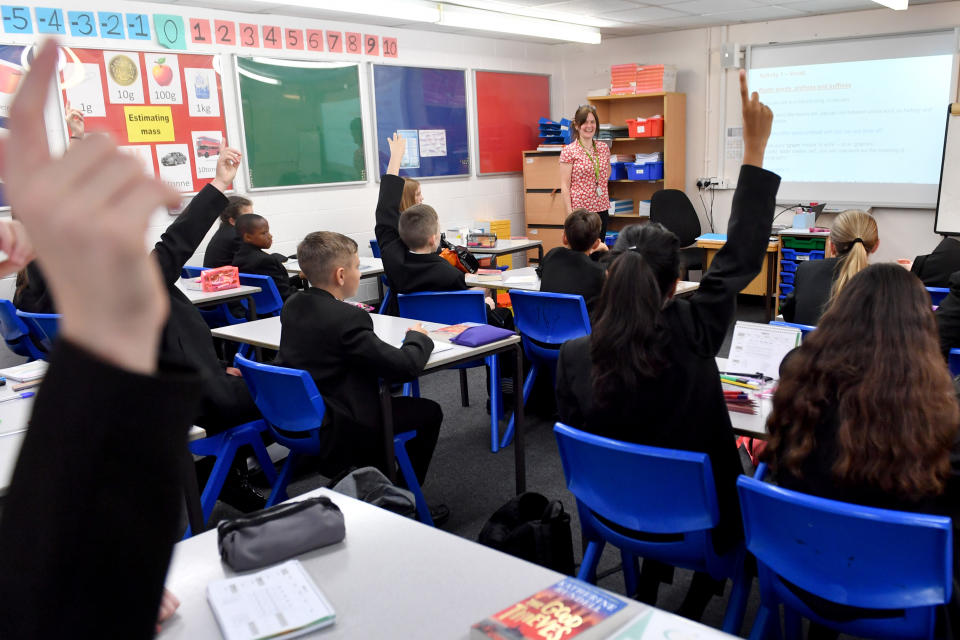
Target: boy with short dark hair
254	232
570	268
336	344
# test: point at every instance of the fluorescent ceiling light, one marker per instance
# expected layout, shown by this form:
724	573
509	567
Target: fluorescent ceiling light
536	12
408	10
465	18
897	5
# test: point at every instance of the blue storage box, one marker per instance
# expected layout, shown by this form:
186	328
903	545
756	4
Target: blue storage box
788	265
786	277
817	255
618	171
654	171
636	171
788	254
786	289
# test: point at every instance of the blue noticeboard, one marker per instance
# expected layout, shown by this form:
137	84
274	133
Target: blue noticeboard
429	109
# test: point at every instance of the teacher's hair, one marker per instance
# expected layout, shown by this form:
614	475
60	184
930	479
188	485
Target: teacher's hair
847	228
581	116
874	358
630	339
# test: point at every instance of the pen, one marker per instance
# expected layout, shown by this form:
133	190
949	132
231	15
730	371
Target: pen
19	396
740	384
756	375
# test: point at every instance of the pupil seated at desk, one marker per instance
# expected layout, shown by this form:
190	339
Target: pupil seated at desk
573	268
853	237
412	194
225	242
251	257
935	269
865	411
647	374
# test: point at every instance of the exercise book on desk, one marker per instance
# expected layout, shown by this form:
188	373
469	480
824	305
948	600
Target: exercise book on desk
25	372
760	348
281	601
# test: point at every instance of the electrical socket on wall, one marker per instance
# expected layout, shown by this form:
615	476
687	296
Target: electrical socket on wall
715	183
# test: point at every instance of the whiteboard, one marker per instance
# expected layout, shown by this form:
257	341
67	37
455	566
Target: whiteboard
948	199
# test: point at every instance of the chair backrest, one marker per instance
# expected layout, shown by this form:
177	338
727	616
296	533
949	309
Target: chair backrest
12	327
191	272
804	328
375	248
673	209
847	553
937	294
268	300
953	360
44	327
547	320
287	398
628	483
445	307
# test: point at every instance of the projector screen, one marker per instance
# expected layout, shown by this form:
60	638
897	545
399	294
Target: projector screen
857	121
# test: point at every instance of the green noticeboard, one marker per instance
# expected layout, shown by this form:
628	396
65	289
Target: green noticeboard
301	122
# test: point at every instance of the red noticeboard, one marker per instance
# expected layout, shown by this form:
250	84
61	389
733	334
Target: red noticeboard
509	107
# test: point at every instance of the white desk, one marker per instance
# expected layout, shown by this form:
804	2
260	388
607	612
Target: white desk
369	267
265	333
746	424
209	297
684	287
509	246
391	577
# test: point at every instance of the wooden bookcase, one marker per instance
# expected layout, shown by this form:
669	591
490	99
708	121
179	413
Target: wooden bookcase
542	200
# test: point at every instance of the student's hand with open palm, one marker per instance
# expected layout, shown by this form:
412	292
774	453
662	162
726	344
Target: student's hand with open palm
398	146
227	164
757	122
87	216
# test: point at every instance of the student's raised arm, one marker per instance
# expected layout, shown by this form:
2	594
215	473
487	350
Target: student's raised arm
391	192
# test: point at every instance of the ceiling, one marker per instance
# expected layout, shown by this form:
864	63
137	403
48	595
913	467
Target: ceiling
614	18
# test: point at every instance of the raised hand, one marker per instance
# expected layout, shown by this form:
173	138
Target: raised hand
757	121
87	215
227	164
398	147
75	123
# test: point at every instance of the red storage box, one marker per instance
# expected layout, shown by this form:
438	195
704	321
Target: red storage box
646	127
220	278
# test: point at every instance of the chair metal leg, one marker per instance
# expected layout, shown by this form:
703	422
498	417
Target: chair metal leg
464	389
406	469
278	493
527	389
762	622
266	464
493	362
737	604
218	475
631	571
412	388
588	568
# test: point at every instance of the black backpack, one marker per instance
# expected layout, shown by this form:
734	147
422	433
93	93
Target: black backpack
533	528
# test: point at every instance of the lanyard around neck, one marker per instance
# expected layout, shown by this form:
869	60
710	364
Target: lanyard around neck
594	158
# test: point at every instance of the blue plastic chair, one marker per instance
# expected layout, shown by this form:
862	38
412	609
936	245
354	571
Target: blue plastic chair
896	563
191	272
454	307
545	321
954	362
937	294
654	491
16	333
804	328
43	327
294	410
387	294
223	446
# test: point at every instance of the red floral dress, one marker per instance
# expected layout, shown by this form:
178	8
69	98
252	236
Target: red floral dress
583	179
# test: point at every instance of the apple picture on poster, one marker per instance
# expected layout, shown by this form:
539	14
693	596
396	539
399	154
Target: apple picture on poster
162	72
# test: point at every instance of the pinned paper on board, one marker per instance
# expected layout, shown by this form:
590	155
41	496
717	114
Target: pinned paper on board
433	143
87	95
411	155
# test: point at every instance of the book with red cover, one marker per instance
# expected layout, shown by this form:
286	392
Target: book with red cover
568	609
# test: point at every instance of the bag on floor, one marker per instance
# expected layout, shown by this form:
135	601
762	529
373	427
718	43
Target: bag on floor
533	528
370	485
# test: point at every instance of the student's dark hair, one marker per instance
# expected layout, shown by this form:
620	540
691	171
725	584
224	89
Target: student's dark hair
323	251
234	204
249	223
581	116
582	228
417	224
629	340
875	356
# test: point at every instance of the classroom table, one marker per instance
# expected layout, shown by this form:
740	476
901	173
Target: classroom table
684	287
510	246
369	268
766	282
265	333
391	577
746	424
210	298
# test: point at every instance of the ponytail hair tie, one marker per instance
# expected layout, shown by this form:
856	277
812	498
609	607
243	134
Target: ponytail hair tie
856	240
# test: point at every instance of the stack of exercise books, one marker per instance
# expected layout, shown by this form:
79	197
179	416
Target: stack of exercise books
643	158
553	134
634	78
621	207
621	157
607	132
643	208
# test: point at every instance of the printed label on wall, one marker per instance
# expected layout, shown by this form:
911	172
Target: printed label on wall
163	78
144	155
149	124
433	143
87	95
206	152
124	77
174	161
201	88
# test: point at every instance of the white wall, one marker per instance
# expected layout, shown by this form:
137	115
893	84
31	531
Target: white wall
350	210
696	54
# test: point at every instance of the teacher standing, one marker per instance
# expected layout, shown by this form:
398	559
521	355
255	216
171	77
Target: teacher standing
585	169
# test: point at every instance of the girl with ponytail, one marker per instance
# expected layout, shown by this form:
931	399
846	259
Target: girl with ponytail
647	374
853	238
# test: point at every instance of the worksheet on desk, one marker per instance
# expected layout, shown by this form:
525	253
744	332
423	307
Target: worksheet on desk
760	348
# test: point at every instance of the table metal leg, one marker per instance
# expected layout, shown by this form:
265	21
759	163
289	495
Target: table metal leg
386	408
191	493
519	455
771	285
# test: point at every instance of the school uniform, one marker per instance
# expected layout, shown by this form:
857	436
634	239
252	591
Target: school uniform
567	271
811	291
253	259
683	406
79	559
186	341
408	272
223	246
948	316
936	268
336	344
